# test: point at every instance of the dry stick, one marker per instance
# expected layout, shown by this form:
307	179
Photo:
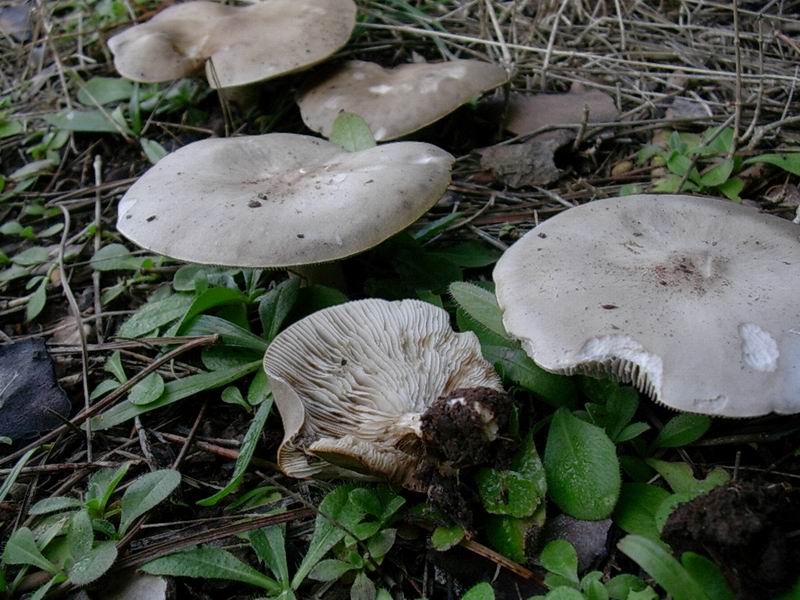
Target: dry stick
226	453
76	313
114	395
737	46
68	466
500	38
757	111
621	25
190	438
98	213
551	42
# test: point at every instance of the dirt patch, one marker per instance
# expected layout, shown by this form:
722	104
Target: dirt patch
749	529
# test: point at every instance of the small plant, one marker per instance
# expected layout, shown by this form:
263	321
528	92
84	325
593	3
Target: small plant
75	538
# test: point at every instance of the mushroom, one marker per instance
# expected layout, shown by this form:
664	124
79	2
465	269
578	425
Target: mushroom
396	102
238	45
280	200
353	383
528	113
693	300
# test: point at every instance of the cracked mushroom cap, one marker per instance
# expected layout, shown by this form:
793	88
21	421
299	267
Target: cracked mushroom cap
245	44
280	199
352	381
694	300
399	101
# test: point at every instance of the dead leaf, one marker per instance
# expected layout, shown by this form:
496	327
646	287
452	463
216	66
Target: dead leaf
527	163
526	114
686	108
15	21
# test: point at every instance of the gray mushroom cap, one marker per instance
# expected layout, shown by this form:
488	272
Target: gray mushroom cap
396	102
245	44
352	381
280	199
694	300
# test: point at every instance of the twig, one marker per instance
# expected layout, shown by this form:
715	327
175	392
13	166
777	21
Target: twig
226	453
98	224
738	100
190	438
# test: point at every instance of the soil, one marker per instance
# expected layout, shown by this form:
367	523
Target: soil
748	528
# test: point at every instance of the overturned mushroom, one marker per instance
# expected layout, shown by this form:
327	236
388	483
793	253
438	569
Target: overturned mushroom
355	385
399	101
280	200
694	300
238	45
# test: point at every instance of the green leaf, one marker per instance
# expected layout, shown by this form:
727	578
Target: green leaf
155	314
31	257
706	571
145	493
276	305
351	132
718	174
678	163
93	565
663	567
789	162
232	395
11	478
101	486
512	537
636	510
207	562
564	593
469	254
363	588
444	538
559	557
732	188
259	389
681	430
21	549
379	544
515	364
482	591
116	257
583	476
10	128
248	448
270	546
80	535
104	90
54	504
481	305
147	390
336	515
93	121
330	570
681	479
174	391
434	228
213	297
620	586
518	490
152	150
230	334
367	501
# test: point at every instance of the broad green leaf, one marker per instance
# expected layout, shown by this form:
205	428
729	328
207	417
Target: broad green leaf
13	272
93	121
147	390
681	479
706	571
259	389
434	228
213	297
191	278
518	490
21	549
663	567
681	430
270	546
789	162
208	562
31	257
718	174
564	593
232	395
155	314
732	188
481	305
10	128
116	257
152	150
330	569
367	501
620	586
556	390
93	565
11	478
511	536
101	485
379	544
336	515
248	448
174	391
668	506
678	163
54	504
469	254
315	297
104	90
482	591
275	306
363	588
33	169
444	538
583	473
40	593
145	493
636	510
230	334
351	132
559	557
80	535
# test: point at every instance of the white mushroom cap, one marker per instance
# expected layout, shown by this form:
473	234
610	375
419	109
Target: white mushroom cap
280	199
527	113
245	44
399	101
694	300
352	381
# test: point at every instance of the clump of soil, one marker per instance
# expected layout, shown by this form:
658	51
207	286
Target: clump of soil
460	431
745	527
